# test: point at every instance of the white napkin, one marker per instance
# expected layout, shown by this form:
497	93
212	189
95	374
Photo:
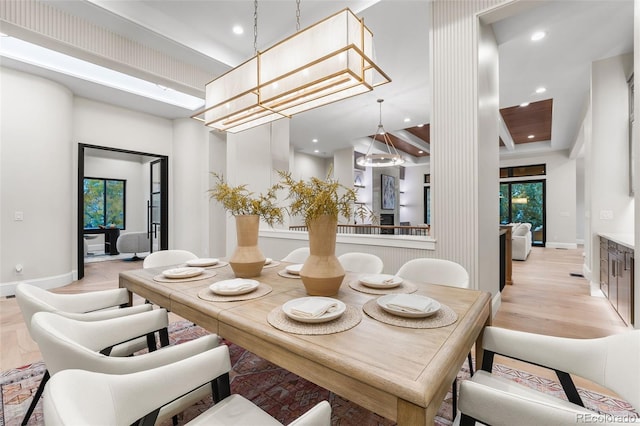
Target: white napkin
314	308
268	260
234	285
409	303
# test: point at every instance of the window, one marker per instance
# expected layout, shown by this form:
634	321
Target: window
104	203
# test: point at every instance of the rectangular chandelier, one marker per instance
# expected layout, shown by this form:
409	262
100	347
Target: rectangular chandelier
326	62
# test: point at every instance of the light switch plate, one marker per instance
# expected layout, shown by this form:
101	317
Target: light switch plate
18	216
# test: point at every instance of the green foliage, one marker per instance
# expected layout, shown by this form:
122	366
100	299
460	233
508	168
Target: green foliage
103	203
238	200
317	197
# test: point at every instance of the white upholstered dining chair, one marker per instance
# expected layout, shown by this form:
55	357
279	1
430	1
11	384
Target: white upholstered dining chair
68	344
75	397
167	258
361	263
89	306
440	272
298	255
612	361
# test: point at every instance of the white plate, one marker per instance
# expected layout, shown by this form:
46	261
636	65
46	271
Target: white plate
383	300
268	260
182	272
246	287
286	308
381	281
202	262
294	269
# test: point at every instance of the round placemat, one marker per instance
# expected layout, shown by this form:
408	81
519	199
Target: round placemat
220	264
207	294
272	264
445	316
351	317
203	276
285	274
404	287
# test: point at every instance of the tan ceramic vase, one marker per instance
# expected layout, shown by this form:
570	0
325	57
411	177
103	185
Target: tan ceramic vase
322	273
247	260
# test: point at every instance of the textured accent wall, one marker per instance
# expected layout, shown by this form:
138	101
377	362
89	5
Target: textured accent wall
455	169
43	24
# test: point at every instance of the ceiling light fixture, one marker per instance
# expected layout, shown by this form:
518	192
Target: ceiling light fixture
524	104
541	90
530	136
538	35
326	62
237	29
391	158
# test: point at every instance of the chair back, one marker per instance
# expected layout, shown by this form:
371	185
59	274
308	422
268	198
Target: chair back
298	255
76	397
167	257
361	263
32	299
622	365
435	271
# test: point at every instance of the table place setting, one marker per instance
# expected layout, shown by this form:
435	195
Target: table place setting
382	284
410	311
291	271
183	274
314	315
234	290
206	262
270	263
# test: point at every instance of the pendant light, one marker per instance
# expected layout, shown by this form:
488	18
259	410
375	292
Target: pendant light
390	158
326	62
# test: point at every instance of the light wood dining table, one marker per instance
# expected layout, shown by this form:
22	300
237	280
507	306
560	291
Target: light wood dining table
400	373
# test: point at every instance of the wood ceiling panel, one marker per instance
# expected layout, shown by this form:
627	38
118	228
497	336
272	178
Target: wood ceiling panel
423	132
533	119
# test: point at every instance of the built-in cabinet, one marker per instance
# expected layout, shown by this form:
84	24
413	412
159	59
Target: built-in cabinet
617	277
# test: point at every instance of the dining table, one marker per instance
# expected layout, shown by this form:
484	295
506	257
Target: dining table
400	368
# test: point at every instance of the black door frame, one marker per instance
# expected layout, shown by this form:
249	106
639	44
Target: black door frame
164	209
544	204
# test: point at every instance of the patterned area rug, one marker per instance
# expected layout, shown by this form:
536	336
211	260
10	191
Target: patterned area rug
281	393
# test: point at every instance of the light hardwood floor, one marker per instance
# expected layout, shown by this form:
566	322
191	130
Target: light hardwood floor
544	299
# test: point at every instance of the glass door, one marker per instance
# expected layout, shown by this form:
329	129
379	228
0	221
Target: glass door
157	206
524	201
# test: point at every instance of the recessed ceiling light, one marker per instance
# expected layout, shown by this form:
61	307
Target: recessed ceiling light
314	140
406	120
420	125
530	136
237	29
541	90
524	104
421	152
539	35
316	151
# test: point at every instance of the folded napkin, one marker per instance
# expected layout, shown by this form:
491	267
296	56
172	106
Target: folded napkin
235	284
409	303
314	308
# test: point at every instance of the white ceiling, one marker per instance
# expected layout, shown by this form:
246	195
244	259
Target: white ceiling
200	32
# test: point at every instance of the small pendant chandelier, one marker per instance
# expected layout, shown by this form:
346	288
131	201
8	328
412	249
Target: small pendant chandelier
390	158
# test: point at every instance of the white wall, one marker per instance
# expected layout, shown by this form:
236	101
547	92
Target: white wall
36	179
611	207
42	125
560	195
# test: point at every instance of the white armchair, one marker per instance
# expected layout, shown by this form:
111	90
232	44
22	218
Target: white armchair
75	397
67	344
520	241
613	362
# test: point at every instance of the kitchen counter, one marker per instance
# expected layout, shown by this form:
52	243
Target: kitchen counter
620	238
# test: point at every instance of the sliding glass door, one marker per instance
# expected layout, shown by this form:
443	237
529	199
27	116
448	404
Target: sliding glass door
524	201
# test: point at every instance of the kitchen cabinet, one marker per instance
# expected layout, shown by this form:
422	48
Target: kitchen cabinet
617	277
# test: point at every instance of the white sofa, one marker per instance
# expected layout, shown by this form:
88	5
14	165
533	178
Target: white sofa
133	242
520	240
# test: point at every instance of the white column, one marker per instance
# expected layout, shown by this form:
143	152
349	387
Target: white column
464	133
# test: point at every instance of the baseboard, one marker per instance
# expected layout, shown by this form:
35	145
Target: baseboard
495	304
9	289
562	245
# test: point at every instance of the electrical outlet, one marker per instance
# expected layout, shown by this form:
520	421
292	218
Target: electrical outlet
18	216
606	214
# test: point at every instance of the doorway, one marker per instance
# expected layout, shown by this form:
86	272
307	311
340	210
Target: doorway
524	201
156	195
